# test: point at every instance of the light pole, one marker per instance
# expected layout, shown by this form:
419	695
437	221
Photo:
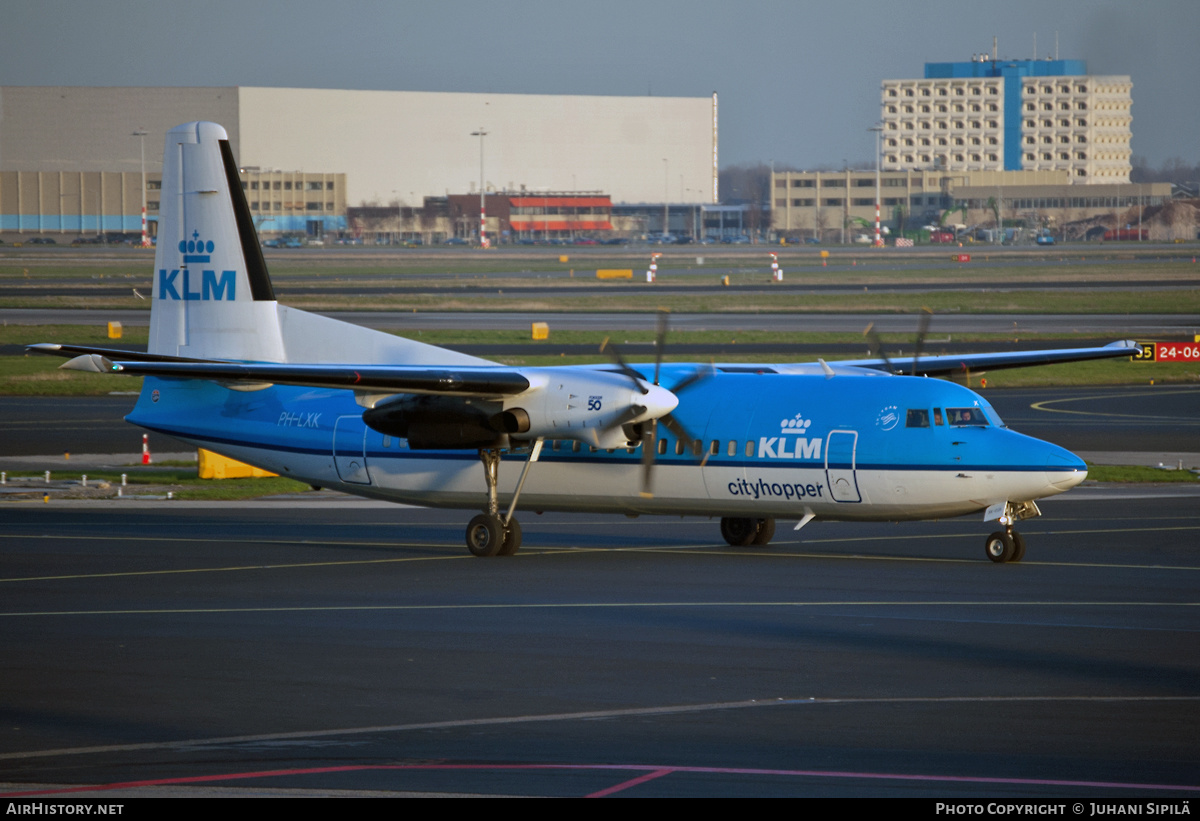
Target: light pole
483	241
877	128
141	135
666	198
845	197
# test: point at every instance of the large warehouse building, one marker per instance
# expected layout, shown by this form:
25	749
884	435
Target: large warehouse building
70	158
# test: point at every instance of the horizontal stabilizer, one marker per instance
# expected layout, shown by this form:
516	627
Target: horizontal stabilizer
55	349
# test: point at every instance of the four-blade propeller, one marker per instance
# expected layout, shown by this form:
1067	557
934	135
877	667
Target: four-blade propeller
876	345
647	432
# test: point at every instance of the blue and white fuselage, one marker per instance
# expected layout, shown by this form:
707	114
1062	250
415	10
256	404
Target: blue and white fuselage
859	445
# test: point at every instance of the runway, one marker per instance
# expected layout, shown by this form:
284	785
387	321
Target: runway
271	648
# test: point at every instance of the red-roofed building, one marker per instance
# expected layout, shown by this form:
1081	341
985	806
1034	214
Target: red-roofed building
552	215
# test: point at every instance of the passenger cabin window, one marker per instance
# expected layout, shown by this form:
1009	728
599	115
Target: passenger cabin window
966	416
917	418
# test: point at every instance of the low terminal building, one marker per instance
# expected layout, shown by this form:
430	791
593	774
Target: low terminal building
108	204
562	215
838	206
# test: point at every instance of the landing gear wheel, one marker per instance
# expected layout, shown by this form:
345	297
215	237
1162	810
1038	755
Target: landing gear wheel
1019	544
485	535
1000	547
512	538
766	532
739	532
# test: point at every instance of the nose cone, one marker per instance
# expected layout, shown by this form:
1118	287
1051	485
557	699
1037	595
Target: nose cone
658	402
1064	470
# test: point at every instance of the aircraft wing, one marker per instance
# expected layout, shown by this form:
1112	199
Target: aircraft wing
440	379
950	364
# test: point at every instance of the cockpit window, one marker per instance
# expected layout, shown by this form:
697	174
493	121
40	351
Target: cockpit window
967	416
917	418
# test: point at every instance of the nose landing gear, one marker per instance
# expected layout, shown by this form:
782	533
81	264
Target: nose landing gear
1008	545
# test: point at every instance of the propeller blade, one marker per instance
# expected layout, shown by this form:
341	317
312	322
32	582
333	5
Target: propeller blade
877	347
695	446
649	451
922	330
660	342
698	375
610	348
627	415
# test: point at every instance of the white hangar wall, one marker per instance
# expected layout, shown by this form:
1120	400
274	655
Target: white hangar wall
407	145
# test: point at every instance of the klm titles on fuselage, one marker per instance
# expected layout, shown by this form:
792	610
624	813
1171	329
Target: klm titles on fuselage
177	283
799	447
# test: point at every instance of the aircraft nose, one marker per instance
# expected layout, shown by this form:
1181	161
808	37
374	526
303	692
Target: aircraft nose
1064	470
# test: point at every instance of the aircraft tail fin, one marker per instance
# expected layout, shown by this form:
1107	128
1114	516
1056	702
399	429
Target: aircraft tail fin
212	295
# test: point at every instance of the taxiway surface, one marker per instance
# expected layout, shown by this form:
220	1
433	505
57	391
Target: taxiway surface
351	645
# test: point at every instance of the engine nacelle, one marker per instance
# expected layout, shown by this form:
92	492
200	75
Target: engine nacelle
438	422
592	406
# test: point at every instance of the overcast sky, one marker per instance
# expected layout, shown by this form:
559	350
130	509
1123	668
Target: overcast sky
798	82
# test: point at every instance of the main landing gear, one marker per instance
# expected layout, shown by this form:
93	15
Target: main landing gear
489	533
740	532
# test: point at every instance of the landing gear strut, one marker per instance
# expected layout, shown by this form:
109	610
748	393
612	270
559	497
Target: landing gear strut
489	533
740	532
1008	545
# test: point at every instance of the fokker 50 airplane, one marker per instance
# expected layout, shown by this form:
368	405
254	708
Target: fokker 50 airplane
230	369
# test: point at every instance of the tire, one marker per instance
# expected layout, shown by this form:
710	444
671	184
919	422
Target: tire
739	532
766	532
1000	547
512	538
1019	547
485	535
